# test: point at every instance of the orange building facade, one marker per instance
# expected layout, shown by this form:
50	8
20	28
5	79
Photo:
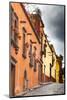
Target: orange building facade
25	50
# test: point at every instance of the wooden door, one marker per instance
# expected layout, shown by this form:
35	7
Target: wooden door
40	72
50	71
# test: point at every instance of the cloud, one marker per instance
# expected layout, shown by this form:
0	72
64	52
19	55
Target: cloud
53	19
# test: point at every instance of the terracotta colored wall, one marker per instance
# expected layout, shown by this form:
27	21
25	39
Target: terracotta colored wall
22	63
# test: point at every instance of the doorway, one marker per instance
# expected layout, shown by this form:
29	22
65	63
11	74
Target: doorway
50	71
25	80
44	72
12	79
40	72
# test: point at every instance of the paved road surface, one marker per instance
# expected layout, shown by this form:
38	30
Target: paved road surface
53	88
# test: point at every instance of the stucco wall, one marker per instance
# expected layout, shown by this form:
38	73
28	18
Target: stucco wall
23	64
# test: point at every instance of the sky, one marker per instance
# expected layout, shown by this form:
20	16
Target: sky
53	19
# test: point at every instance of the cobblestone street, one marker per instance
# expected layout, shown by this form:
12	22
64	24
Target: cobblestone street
53	88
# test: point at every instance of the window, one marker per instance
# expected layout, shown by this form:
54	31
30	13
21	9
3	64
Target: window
44	49
50	70
31	55
15	38
53	60
34	64
14	30
24	44
34	56
15	20
15	23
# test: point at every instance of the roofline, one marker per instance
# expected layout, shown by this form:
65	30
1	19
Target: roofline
39	18
29	21
52	50
41	21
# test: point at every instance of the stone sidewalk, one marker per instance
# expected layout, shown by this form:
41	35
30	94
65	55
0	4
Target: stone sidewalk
33	88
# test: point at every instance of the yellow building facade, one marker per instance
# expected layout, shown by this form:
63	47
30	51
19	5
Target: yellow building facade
47	59
57	71
59	77
53	74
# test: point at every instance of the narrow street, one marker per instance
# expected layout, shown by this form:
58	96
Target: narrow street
53	88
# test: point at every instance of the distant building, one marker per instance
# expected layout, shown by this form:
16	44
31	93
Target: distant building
53	74
63	74
59	69
47	59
